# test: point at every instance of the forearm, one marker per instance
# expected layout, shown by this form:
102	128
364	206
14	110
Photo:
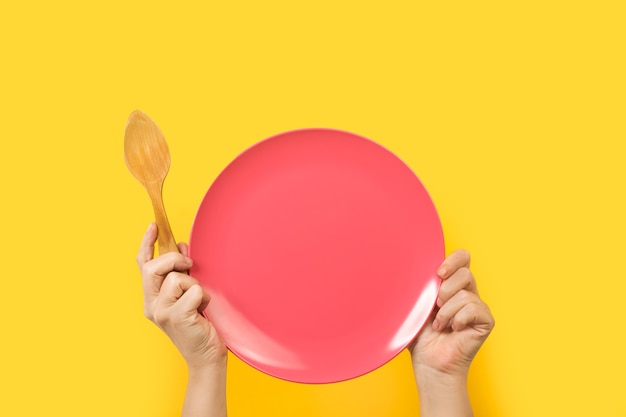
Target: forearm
442	395
206	392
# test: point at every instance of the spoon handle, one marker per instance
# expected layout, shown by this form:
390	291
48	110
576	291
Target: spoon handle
165	237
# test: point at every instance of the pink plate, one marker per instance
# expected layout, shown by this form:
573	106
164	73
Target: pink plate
319	249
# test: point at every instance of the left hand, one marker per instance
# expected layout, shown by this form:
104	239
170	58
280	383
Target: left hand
457	327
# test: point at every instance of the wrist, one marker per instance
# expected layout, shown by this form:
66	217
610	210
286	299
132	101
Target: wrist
441	393
213	367
427	376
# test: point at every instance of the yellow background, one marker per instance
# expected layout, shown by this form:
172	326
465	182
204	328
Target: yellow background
511	113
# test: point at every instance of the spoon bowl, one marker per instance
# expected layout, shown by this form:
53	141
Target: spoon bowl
148	158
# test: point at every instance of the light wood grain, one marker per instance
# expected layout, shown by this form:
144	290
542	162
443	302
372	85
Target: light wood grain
148	159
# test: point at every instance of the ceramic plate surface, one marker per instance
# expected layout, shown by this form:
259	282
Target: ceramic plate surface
319	249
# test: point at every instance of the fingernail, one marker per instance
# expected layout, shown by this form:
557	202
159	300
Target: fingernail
436	324
442	272
439	302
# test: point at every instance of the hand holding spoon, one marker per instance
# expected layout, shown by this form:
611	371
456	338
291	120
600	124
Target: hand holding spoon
148	159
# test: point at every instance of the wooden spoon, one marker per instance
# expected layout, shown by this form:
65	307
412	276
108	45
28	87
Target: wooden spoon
148	159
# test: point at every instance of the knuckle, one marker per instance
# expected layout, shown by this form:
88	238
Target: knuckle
147	269
161	318
466	276
442	316
466	297
444	292
465	255
148	313
465	273
472	308
173	278
491	319
458	322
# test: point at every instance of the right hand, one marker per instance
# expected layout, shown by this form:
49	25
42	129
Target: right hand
174	301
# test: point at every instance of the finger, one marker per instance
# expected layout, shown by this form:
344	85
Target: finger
206	298
183	248
181	297
462	279
155	271
443	318
194	300
457	259
146	249
173	288
475	315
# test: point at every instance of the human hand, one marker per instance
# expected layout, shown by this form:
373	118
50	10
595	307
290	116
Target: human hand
174	301
458	326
